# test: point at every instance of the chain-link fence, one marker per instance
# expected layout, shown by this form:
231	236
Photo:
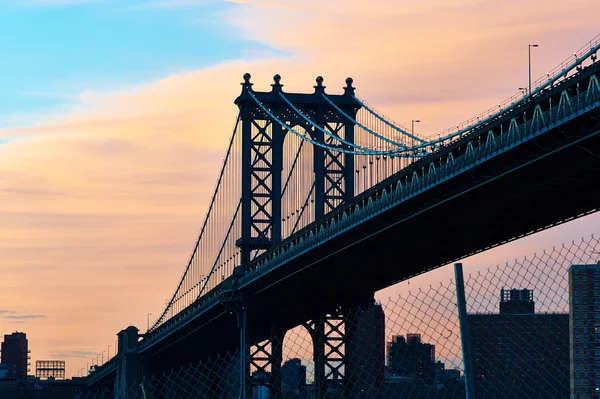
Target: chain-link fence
409	345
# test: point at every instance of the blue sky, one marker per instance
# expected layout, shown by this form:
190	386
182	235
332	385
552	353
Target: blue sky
51	50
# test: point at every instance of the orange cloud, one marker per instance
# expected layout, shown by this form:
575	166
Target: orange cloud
99	207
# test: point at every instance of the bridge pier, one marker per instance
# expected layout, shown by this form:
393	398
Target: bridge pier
266	357
129	365
349	351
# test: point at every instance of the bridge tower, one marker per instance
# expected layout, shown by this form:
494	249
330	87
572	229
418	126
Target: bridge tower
263	138
262	156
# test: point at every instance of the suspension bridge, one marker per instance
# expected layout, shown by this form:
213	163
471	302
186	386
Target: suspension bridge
322	200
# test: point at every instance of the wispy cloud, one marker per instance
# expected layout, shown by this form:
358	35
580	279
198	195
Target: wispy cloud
56	2
2	311
71	354
25	317
268	4
175	4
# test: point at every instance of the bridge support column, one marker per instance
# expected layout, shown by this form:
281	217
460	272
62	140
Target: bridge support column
129	367
328	350
349	351
268	355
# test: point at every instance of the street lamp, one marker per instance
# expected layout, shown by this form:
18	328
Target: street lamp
148	319
108	354
102	357
529	48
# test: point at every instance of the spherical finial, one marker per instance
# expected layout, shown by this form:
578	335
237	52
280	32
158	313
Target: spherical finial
349	90
247	77
319	88
277	78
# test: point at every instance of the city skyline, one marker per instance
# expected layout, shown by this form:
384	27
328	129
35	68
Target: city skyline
105	181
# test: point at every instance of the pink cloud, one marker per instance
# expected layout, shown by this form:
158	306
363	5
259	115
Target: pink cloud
100	206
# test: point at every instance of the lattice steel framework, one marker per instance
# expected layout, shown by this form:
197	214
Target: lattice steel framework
263	156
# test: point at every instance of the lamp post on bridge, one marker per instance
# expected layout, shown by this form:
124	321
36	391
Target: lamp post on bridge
148	321
529	48
102	357
108	353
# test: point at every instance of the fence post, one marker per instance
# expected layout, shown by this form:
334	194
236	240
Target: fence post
244	348
464	330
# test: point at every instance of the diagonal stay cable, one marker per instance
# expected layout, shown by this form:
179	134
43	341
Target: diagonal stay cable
287	181
382	119
303	208
214	266
210	207
320	128
391	153
345	115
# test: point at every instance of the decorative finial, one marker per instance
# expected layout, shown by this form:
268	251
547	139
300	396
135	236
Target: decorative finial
276	86
319	88
349	90
246	85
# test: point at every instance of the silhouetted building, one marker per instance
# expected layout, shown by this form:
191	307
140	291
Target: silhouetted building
293	375
5	372
45	369
445	376
517	353
516	301
16	354
584	325
365	352
412	358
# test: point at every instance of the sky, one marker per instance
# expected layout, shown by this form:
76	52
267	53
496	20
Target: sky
115	116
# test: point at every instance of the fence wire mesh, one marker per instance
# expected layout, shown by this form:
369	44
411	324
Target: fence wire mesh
409	345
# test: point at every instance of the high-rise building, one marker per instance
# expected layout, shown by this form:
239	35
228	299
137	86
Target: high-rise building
15	354
584	326
365	351
412	358
293	375
518	353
